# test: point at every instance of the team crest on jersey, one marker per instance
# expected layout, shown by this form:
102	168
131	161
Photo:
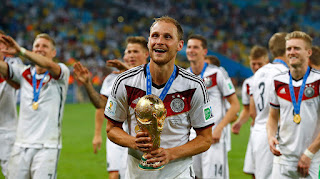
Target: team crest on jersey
207	81
177	104
309	91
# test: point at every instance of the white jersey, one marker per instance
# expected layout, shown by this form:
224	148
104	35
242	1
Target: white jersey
8	99
187	106
245	91
295	138
42	127
260	90
107	84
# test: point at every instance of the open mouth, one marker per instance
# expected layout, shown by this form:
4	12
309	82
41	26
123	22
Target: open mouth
159	50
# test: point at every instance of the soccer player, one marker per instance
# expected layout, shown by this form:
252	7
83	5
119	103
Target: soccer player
258	57
185	99
213	163
8	111
43	92
136	54
315	58
295	107
259	102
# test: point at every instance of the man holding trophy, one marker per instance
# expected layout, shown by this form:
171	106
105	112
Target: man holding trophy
183	103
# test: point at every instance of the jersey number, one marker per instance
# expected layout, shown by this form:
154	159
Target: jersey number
218	170
261	88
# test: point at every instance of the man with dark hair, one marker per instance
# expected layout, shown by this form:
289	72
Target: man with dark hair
43	93
136	54
214	162
211	59
185	99
315	58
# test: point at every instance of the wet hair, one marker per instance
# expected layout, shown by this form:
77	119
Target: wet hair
46	36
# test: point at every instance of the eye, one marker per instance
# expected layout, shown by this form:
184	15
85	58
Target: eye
167	36
154	35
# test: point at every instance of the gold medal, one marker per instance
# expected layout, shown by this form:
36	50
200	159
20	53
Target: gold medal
297	118
35	105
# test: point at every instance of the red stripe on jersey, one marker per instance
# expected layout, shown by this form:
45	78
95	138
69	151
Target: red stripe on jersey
211	81
248	89
2	79
28	77
283	92
175	103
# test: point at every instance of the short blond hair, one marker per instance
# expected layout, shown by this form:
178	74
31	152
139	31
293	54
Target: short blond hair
300	35
258	52
168	19
46	36
277	44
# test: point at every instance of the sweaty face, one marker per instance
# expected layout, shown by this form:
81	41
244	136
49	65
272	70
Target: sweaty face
297	52
44	47
135	55
195	51
163	43
257	63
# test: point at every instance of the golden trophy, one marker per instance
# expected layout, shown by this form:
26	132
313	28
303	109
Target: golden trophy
150	114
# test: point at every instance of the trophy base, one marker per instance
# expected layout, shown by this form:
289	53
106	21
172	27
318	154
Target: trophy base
148	166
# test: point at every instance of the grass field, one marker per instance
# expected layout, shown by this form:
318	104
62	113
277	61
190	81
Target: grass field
77	160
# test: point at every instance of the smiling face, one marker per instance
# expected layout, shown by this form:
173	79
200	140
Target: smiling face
44	47
135	55
297	52
195	50
163	42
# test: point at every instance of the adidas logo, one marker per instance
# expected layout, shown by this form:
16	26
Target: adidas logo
283	91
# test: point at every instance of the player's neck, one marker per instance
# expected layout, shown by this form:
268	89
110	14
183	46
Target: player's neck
298	72
283	59
197	66
40	70
161	73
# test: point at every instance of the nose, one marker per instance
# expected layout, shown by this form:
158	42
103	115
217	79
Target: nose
160	40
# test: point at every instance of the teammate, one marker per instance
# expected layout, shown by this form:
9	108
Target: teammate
8	111
186	101
43	92
136	54
214	162
315	58
295	107
258	57
211	59
259	100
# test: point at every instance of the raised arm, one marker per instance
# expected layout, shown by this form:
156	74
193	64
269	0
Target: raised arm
41	55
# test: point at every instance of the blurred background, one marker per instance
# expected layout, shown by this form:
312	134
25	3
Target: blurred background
93	31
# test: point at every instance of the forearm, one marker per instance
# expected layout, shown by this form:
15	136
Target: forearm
231	113
198	145
272	123
98	121
95	98
252	109
244	115
4	69
43	62
117	135
315	145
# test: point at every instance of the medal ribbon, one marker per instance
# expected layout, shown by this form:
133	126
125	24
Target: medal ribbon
280	61
166	87
203	70
36	92
296	104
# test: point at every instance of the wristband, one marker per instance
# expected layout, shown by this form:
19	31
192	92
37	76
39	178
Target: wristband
22	51
308	153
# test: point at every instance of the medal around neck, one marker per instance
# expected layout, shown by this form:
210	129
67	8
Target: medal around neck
35	105
297	118
150	113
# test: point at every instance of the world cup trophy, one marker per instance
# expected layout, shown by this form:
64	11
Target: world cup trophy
150	114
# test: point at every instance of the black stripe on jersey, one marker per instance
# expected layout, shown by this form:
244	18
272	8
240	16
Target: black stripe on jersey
123	76
315	70
56	167
59	115
194	78
274	105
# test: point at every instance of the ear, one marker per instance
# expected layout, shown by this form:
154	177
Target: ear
309	52
180	45
54	53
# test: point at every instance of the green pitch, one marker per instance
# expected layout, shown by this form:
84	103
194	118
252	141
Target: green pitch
77	160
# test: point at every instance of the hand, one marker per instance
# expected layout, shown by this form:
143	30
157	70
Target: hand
81	73
272	144
304	165
216	135
96	143
159	156
252	123
143	142
236	127
12	46
118	64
